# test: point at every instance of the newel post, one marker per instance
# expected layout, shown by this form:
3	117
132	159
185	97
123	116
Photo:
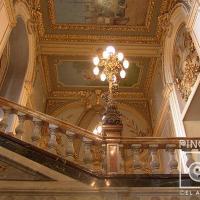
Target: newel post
114	158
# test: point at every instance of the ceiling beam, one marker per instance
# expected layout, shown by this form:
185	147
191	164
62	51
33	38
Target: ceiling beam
83	49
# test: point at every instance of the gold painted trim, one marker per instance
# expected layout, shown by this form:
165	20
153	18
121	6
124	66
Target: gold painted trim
102	38
61	85
125	28
150	74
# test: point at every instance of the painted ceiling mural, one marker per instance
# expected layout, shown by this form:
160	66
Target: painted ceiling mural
70	73
102	20
111	12
81	74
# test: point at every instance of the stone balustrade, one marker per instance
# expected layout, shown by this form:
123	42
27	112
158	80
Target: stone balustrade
58	137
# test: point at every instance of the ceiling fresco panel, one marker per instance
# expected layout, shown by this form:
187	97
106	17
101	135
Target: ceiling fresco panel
110	12
76	73
79	73
102	20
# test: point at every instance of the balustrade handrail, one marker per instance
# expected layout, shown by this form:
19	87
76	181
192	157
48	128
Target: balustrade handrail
147	141
161	141
50	119
97	150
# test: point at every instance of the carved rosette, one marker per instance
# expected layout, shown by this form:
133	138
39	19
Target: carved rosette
186	63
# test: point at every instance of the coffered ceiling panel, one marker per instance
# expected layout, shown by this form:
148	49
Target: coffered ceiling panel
72	30
111	12
102	20
79	74
71	73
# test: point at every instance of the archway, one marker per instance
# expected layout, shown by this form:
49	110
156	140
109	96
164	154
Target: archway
18	61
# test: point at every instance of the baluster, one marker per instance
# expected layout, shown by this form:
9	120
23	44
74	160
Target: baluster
155	165
87	158
70	146
173	164
4	121
190	159
19	130
137	165
52	140
121	160
36	133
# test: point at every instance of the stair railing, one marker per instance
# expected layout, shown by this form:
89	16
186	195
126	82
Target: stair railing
140	155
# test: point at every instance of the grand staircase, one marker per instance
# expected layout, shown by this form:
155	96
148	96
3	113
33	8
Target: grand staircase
60	158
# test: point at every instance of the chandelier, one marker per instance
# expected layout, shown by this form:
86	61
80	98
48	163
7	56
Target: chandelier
111	66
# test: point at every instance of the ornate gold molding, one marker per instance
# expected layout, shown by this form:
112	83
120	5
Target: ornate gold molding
46	75
71	94
56	89
35	23
190	68
154	39
67	26
150	74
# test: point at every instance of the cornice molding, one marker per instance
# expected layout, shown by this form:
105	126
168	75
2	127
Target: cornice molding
78	94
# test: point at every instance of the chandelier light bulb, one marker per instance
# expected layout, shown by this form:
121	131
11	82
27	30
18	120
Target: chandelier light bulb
110	50
96	60
126	64
103	77
96	70
114	78
120	56
122	74
105	54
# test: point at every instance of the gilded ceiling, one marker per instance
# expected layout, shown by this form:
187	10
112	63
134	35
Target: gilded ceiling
72	73
72	30
102	20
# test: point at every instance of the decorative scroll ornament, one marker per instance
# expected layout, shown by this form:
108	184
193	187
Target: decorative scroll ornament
91	98
34	25
186	62
190	69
